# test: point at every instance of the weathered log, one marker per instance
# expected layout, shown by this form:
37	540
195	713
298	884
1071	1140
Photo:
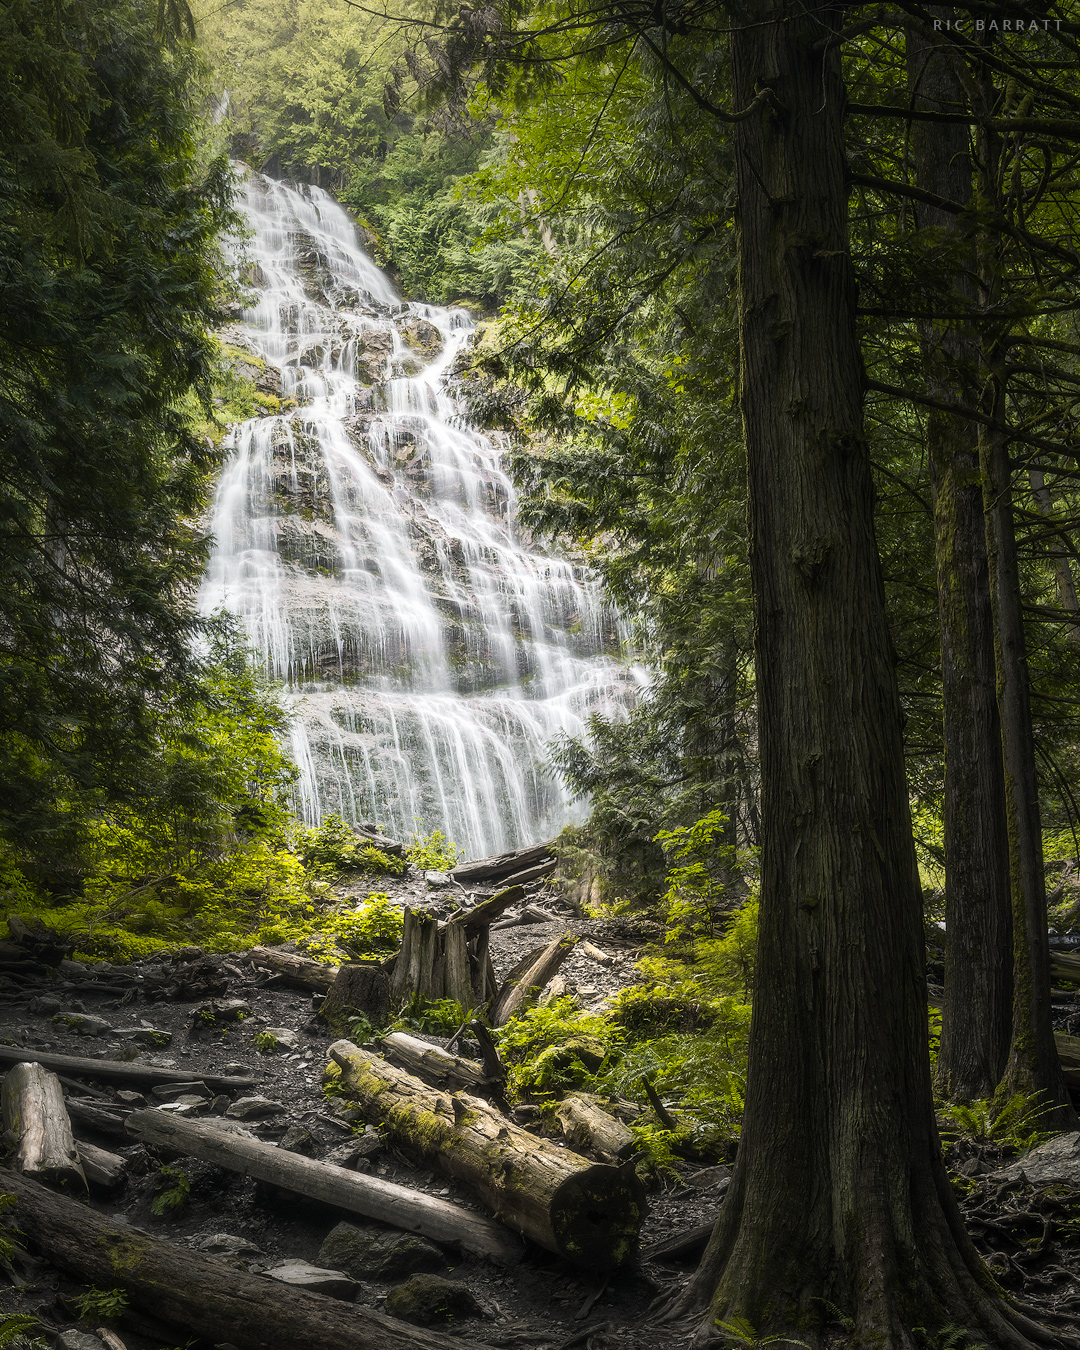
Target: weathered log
370	835
531	874
501	864
1065	966
355	1191
589	1213
37	1120
100	1167
587	1127
689	1242
1068	1048
519	987
117	1071
433	1064
199	1292
485	912
301	970
360	987
89	1115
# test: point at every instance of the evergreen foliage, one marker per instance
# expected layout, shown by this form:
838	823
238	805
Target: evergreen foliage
108	219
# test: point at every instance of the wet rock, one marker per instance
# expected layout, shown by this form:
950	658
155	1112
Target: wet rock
429	1300
217	1013
44	1003
297	1139
85	1024
375	1253
276	1040
79	1340
305	1276
254	1108
1056	1163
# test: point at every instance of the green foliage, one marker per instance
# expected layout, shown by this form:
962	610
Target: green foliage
433	852
265	1042
9	1248
434	1016
703	862
739	1332
1013	1123
173	1194
108	228
13	1333
334	849
101	1304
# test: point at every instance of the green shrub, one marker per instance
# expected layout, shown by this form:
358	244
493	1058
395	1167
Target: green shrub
334	849
433	852
100	1304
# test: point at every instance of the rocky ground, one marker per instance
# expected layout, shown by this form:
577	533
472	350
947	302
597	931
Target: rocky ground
154	1013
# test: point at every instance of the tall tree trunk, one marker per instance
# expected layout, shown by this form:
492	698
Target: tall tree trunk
839	1195
977	1015
1033	1065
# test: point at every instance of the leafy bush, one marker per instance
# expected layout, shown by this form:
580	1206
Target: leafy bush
334	849
100	1304
433	852
173	1195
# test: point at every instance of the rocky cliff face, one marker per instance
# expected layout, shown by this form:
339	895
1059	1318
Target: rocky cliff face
366	535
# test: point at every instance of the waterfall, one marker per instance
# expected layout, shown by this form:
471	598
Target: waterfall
365	533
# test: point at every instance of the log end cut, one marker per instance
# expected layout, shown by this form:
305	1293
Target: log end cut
596	1216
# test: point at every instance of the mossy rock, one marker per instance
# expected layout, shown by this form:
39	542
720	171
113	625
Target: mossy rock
429	1300
374	1253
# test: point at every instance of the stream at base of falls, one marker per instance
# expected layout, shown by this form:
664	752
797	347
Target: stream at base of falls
366	536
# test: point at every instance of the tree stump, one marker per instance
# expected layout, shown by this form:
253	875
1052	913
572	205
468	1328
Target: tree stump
360	987
36	1117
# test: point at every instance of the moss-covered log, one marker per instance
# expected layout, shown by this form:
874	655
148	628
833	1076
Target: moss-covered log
199	1292
589	1213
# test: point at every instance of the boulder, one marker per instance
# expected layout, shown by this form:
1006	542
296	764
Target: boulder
85	1024
254	1108
429	1300
378	1254
306	1276
1055	1163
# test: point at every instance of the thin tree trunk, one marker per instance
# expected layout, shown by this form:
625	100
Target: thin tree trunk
1033	1066
1066	586
977	1015
839	1195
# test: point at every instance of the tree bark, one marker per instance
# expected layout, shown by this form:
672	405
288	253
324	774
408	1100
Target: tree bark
355	1191
36	1119
589	1213
197	1292
977	1013
840	1200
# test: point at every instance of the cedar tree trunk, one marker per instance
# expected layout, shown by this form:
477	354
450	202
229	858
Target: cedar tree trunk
839	1195
976	1019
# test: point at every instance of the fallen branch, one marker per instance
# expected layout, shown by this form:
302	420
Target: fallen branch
196	1291
117	1071
589	1213
523	984
302	970
355	1191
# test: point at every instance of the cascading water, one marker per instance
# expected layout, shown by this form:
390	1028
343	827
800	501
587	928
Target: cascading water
366	536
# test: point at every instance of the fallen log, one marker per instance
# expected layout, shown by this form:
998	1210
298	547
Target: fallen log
689	1242
521	985
531	874
485	912
1065	966
100	1167
501	864
589	1213
303	970
117	1071
200	1292
368	834
355	1191
433	1064
588	1127
91	1116
35	1117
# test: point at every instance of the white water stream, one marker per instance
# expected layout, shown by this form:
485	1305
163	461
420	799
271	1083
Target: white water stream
367	538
